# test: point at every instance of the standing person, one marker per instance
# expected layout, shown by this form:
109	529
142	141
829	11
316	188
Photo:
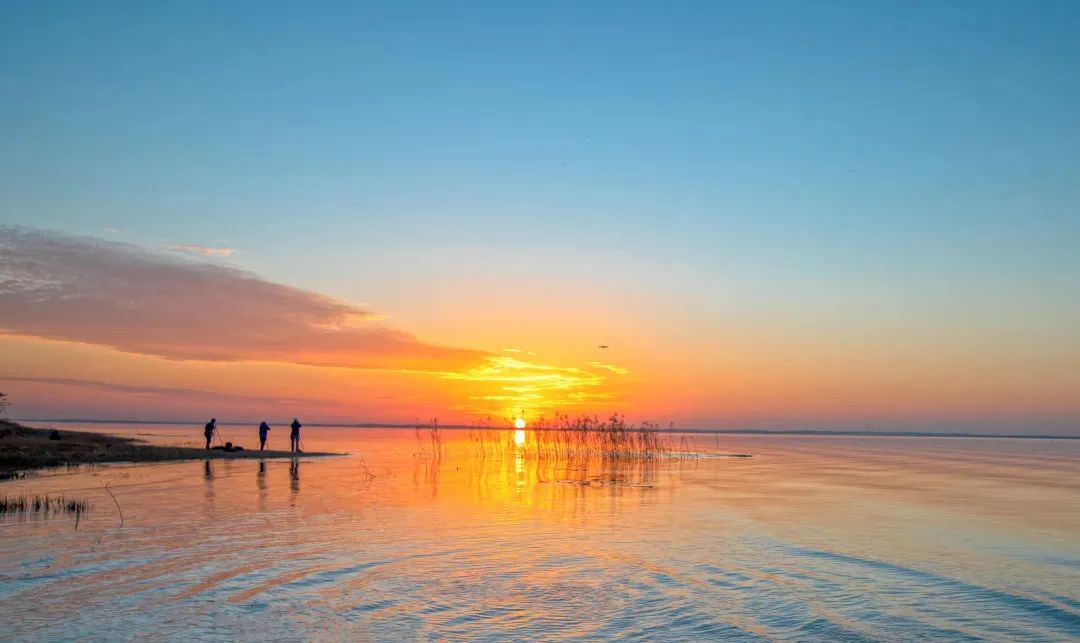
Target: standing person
211	426
294	437
264	428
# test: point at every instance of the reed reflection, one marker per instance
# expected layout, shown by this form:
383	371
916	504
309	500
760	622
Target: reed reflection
520	468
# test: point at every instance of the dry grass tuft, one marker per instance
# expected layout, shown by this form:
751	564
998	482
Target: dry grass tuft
42	504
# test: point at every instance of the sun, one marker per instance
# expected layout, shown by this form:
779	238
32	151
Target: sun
519	423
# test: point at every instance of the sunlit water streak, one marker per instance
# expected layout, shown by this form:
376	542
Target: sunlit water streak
812	538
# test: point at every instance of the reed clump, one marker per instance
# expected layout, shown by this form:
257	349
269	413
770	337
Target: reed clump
42	504
429	442
570	438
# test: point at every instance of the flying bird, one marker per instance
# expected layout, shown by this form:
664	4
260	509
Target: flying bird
603	346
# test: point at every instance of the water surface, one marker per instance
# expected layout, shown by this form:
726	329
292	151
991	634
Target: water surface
836	538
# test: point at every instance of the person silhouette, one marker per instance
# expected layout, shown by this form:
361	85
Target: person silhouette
294	436
264	428
208	431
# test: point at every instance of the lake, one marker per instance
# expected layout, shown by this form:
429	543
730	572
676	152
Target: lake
814	537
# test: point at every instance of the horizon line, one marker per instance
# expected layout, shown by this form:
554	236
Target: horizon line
709	431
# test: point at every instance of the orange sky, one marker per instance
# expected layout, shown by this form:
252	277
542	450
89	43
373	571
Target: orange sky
97	329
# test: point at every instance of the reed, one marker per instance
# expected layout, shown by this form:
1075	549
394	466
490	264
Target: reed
567	438
42	504
429	442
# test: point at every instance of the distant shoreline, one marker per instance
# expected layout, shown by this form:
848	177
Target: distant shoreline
763	432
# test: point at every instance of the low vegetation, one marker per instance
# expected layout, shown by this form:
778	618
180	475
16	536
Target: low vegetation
429	442
42	504
565	437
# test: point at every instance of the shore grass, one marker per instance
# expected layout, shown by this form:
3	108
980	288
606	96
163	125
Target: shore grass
42	504
25	448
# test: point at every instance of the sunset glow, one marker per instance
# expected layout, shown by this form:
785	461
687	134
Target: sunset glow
135	333
658	236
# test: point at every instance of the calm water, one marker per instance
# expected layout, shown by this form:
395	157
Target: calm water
812	538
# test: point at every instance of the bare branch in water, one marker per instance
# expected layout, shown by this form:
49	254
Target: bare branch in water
115	501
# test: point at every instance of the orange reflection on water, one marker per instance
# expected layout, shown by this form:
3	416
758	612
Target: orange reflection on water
484	533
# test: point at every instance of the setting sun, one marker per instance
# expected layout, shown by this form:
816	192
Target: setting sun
519	423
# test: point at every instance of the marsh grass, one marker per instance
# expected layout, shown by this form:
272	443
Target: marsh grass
585	451
42	504
429	442
569	438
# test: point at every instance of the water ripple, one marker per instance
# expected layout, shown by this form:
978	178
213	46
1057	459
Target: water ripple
714	549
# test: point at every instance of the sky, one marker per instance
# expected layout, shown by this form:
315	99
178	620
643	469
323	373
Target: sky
777	215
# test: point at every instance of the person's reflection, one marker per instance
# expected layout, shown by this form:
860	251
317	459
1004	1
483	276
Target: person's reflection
208	490
294	475
260	482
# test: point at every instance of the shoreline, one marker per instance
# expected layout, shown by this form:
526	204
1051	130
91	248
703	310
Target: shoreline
24	448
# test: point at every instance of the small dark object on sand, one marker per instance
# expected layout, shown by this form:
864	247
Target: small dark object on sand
54	435
229	447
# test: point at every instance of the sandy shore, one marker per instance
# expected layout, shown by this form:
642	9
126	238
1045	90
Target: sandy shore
23	448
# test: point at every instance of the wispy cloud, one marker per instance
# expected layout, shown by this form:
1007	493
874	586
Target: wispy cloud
205	251
157	392
80	289
618	370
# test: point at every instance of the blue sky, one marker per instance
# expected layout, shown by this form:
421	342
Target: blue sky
764	129
908	163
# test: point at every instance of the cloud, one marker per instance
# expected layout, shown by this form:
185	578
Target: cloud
155	392
542	387
87	290
618	370
205	251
